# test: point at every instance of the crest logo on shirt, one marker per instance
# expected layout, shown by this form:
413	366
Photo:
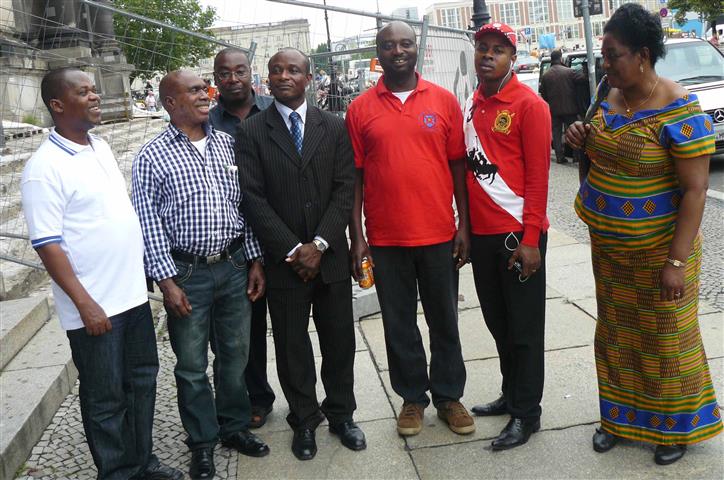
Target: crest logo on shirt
429	119
503	121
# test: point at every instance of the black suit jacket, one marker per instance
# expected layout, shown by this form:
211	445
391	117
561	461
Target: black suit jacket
290	198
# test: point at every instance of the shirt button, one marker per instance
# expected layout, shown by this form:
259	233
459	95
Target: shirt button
308	204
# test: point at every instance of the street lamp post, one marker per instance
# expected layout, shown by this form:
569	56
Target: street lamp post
480	13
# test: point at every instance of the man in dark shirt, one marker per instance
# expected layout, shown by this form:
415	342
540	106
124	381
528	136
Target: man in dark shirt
237	101
558	88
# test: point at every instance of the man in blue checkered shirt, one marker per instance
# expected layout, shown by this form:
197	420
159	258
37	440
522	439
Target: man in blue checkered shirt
185	190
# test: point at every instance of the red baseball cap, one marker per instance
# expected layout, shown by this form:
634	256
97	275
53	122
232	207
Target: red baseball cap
499	28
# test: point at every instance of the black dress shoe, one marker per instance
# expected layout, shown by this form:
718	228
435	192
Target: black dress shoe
668	454
304	446
162	472
202	464
246	443
515	433
350	434
496	407
604	441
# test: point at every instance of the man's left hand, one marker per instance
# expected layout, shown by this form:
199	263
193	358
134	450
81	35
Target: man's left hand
256	283
461	248
306	261
529	258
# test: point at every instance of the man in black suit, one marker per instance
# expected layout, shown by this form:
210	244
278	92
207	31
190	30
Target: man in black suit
296	170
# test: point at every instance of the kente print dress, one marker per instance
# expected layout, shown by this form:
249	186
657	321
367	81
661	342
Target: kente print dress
653	376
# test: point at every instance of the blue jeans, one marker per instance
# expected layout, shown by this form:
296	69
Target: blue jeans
217	294
117	372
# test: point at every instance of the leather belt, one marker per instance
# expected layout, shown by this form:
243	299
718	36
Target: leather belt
210	259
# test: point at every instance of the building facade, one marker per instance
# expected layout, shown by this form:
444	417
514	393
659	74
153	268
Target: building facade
533	18
269	38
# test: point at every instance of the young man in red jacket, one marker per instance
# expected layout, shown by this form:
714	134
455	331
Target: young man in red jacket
508	137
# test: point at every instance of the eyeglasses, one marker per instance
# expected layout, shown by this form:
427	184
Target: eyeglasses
240	74
517	265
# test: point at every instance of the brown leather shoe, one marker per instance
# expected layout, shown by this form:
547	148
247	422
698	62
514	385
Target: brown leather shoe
457	417
409	422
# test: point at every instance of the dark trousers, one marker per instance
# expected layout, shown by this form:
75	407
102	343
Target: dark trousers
331	306
117	372
257	382
217	294
514	312
560	123
399	272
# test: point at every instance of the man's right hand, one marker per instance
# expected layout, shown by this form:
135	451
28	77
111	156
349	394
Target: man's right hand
94	318
174	299
358	250
577	133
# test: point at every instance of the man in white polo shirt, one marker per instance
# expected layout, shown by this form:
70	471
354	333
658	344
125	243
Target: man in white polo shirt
83	227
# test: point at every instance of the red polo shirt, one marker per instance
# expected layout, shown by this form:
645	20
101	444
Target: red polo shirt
519	143
404	150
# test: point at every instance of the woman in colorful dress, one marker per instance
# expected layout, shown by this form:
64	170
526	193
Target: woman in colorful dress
642	197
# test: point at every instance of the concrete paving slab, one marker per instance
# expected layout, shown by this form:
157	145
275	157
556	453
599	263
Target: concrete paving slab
573	254
19	321
574	281
372	401
567	326
556	454
570	397
557	238
712	333
384	458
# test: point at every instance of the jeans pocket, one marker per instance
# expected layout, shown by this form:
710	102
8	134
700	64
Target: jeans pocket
238	259
184	271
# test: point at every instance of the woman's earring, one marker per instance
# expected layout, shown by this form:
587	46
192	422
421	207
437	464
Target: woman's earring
641	68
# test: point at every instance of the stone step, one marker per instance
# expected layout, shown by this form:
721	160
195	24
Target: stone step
33	384
19	321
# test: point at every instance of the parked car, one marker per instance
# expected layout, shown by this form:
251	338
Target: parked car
698	66
525	63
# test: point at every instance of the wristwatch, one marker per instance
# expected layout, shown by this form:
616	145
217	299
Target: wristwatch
320	245
675	262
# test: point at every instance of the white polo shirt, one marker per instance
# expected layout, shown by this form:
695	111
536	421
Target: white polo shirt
75	195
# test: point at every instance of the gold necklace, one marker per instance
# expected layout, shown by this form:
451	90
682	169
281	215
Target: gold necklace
628	109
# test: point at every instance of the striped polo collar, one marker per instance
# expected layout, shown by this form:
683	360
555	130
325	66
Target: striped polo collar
68	146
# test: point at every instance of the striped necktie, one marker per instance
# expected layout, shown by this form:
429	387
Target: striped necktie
296	130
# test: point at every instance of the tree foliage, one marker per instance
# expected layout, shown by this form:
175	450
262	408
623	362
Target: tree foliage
153	49
708	9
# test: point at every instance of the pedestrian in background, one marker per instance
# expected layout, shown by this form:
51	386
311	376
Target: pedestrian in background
508	138
185	188
297	171
83	227
237	102
643	199
558	88
409	153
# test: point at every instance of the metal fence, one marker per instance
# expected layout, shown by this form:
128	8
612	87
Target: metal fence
35	37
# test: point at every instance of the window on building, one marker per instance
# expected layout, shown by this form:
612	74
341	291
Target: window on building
538	11
450	17
510	13
565	10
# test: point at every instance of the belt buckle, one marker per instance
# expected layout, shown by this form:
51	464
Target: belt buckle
211	259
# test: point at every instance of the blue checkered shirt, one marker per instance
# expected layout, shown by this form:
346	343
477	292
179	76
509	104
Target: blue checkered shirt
186	203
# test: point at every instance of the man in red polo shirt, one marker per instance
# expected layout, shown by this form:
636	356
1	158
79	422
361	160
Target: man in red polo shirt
508	138
409	153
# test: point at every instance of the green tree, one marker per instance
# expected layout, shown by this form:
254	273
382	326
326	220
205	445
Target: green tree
153	49
708	9
321	48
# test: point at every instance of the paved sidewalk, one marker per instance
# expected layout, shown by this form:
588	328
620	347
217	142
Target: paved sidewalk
561	450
